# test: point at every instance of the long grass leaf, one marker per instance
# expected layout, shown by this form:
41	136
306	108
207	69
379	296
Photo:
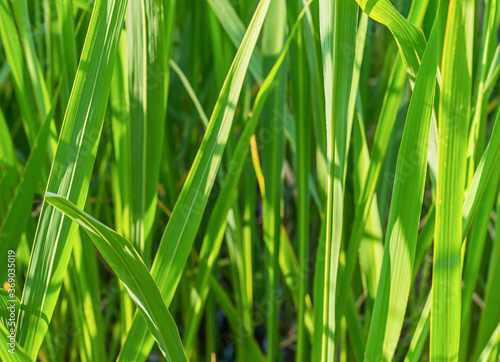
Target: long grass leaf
186	216
70	175
125	261
453	119
404	217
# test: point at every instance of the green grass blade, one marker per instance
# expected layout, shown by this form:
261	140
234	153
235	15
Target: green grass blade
235	29
19	211
409	38
481	177
384	128
300	93
404	216
339	18
70	175
453	122
216	224
125	261
14	55
273	124
186	216
145	30
490	315
10	351
190	91
473	263
34	70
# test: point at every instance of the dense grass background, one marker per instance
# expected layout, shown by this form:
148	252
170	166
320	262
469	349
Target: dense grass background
242	180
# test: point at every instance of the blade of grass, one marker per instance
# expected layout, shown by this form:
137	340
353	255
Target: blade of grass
473	263
453	120
272	143
470	208
34	70
145	30
70	175
402	227
19	211
490	315
338	25
14	55
125	261
235	29
186	216
409	38
216	225
121	167
384	128
492	344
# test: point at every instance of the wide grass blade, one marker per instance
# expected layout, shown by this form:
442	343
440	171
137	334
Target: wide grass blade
125	261
404	217
147	68
453	122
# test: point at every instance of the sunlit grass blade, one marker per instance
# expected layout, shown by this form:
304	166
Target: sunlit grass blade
14	55
235	29
410	39
147	68
384	128
132	272
216	224
186	216
71	171
453	123
34	70
338	26
10	351
404	216
20	207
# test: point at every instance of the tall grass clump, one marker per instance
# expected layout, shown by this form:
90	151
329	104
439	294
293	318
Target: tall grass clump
249	180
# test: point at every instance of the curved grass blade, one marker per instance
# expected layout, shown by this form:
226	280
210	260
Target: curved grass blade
132	272
410	39
71	170
181	230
